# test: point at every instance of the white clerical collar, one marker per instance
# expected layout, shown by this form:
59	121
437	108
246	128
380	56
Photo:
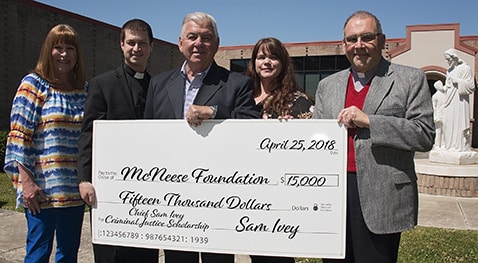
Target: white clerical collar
361	79
138	75
134	74
361	75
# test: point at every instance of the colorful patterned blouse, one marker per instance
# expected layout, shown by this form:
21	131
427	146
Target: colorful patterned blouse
301	107
45	125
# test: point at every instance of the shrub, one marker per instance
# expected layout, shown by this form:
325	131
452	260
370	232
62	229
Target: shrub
3	142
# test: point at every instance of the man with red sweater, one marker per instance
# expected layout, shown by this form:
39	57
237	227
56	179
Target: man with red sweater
387	110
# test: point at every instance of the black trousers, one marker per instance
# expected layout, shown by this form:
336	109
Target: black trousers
119	254
363	246
173	256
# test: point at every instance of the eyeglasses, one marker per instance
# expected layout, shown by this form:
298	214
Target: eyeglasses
365	37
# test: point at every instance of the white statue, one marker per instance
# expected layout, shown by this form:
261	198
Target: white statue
438	98
452	113
459	85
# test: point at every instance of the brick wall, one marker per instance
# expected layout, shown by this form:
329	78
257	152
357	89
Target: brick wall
448	185
23	27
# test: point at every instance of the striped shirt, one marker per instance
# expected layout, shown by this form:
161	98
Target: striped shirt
191	87
45	125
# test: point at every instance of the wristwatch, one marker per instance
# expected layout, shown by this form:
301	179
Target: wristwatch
214	111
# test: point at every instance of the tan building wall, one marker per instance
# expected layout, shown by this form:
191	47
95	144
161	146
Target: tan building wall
24	25
425	45
423	48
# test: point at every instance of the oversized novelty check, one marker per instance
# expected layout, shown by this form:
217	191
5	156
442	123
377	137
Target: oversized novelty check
260	187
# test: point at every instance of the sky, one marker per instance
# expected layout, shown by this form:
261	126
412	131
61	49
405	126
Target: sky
243	22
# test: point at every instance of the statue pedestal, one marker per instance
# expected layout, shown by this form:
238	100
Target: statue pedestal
446	179
460	158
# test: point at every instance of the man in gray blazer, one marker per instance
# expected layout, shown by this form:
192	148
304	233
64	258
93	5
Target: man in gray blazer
387	110
197	91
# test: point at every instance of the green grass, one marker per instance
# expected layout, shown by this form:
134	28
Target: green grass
429	244
434	245
421	245
7	194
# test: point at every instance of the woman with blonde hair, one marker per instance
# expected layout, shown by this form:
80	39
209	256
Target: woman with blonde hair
41	152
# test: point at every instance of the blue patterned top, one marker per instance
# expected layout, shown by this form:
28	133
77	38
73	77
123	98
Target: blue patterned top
45	125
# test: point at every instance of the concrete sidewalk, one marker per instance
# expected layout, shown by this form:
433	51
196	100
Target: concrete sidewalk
435	211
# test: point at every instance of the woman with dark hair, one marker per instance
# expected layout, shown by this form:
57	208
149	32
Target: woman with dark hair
275	86
276	90
41	153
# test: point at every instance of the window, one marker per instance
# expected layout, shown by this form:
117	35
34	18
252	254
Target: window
239	65
311	69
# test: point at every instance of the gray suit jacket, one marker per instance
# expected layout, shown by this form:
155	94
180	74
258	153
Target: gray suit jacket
401	122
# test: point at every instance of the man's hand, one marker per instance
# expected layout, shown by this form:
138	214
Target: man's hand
87	193
196	114
353	117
